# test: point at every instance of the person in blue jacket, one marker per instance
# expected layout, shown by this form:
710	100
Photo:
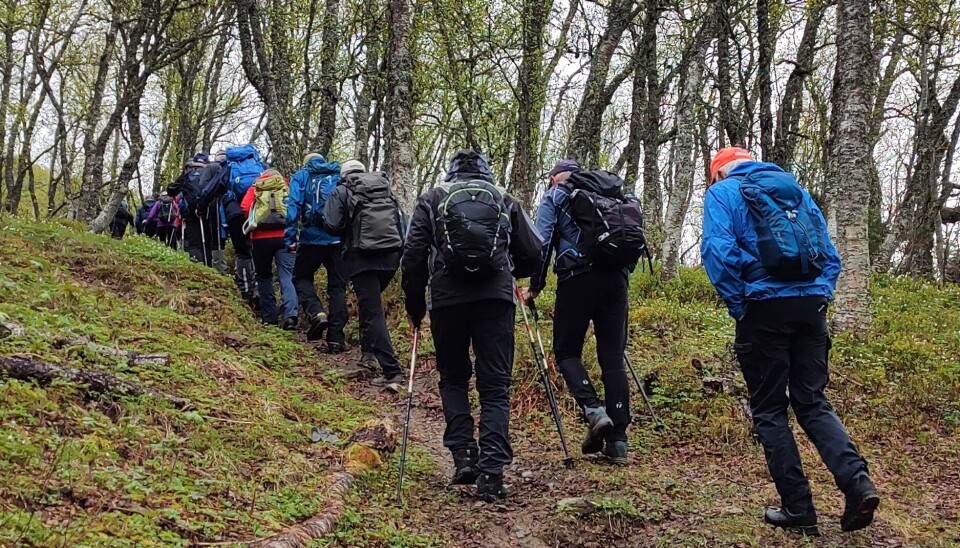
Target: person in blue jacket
309	189
782	344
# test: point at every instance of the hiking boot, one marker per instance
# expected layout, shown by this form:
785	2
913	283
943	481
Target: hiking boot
369	361
616	452
318	324
490	487
862	501
387	380
598	426
801	522
465	464
289	324
336	348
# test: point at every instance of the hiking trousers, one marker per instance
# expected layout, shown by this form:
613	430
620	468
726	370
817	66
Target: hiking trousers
309	259
196	239
599	296
266	252
488	326
374	335
782	346
244	274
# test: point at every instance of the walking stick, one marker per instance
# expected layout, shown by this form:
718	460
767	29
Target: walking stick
203	240
406	422
643	394
541	358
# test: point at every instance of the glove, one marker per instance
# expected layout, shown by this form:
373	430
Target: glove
416	310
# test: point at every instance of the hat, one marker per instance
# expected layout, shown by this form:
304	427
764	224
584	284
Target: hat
725	156
311	155
564	165
469	162
351	166
221	155
200	157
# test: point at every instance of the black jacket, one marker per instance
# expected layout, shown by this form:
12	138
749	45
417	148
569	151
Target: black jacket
337	220
422	265
187	186
142	212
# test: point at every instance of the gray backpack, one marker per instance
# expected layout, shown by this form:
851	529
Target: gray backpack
377	222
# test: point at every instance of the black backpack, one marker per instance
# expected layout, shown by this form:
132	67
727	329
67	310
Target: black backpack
167	211
472	228
610	222
376	219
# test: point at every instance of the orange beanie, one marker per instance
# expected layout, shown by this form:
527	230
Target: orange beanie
725	156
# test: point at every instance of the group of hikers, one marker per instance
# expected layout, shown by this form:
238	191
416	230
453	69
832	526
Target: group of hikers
461	255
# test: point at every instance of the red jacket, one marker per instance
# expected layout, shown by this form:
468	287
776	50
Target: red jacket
247	203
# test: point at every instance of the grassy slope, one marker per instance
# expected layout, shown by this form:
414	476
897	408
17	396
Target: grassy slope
81	471
246	469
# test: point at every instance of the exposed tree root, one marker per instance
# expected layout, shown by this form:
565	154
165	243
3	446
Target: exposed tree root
133	357
303	534
28	369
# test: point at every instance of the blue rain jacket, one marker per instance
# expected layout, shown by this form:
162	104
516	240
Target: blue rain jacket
309	189
559	233
729	246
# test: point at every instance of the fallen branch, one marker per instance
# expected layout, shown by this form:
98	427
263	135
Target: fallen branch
301	535
133	357
27	369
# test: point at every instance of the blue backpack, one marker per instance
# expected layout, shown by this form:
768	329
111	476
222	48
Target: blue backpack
790	238
245	166
318	190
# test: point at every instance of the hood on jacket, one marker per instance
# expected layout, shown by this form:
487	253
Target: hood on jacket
240	153
318	165
469	164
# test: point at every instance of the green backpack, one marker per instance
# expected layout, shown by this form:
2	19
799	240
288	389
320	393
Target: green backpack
269	209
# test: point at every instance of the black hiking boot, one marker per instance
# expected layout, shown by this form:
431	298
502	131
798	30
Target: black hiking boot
336	348
318	324
368	361
599	425
490	487
862	501
616	452
465	466
800	522
289	324
395	379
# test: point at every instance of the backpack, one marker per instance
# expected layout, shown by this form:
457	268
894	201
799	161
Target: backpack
269	209
376	219
318	190
190	192
790	243
472	229
245	166
167	210
610	222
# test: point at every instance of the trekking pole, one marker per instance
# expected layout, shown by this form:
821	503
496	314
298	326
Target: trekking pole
541	358
203	240
406	422
643	394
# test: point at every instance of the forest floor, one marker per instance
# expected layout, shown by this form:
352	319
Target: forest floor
92	471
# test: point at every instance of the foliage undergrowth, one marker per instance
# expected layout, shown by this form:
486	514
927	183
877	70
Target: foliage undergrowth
89	470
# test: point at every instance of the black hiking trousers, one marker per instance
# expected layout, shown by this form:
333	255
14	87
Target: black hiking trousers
197	239
309	259
782	346
599	296
374	335
245	274
488	326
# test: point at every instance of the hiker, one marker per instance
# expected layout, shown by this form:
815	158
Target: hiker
266	210
363	211
122	218
777	282
219	225
140	219
309	189
222	193
468	240
588	290
164	216
195	217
